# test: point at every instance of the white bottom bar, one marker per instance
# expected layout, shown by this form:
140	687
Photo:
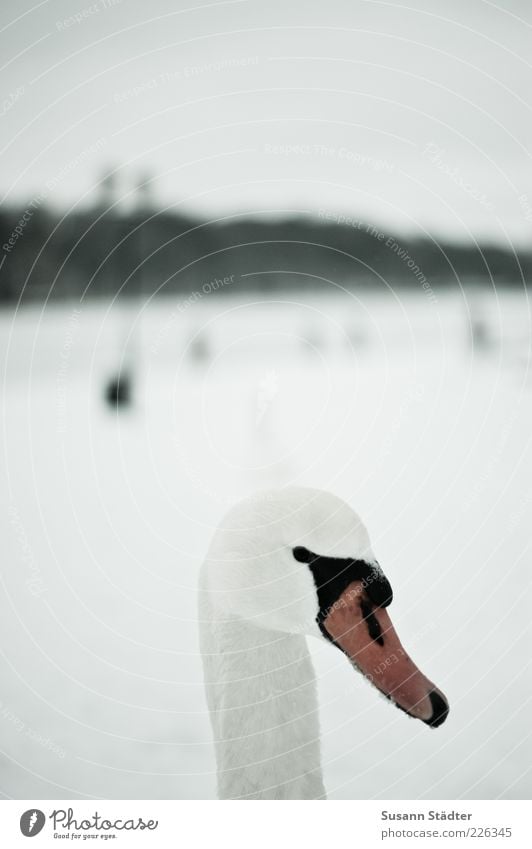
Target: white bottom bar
266	825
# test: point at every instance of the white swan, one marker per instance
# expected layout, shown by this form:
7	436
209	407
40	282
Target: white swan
282	565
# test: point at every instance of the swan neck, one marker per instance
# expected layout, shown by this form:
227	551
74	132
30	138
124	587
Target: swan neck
261	692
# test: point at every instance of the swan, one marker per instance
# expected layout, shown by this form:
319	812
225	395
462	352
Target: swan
283	565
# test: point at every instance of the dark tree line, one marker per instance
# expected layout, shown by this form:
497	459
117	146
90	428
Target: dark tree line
100	253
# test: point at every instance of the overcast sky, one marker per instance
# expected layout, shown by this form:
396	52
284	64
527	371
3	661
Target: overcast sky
415	116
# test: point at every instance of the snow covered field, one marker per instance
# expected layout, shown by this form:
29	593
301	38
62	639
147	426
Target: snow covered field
105	518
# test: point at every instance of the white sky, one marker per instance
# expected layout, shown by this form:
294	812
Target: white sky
360	87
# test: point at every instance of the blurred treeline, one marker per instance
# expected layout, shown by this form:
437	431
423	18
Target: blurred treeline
100	252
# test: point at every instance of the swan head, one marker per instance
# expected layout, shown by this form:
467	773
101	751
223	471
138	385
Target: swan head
300	561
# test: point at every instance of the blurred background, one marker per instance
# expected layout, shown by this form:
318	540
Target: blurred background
247	245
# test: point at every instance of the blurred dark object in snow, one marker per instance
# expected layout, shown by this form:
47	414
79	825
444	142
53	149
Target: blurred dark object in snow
479	329
199	349
356	337
312	339
119	390
481	338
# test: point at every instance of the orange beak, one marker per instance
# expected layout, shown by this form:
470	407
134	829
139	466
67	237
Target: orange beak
366	634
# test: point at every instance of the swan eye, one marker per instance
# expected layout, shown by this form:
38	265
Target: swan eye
302	554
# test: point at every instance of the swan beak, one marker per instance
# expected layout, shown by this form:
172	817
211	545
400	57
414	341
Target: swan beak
366	635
